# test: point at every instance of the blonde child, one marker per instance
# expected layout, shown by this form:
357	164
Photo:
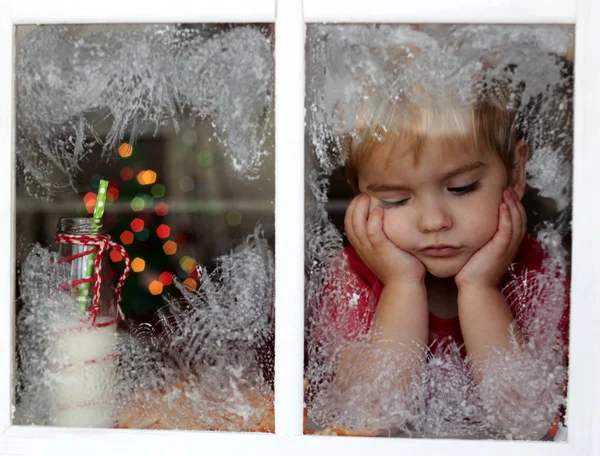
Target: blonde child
438	237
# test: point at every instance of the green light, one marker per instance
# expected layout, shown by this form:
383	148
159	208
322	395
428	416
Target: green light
138	203
213	208
158	191
142	235
189	137
204	158
234	218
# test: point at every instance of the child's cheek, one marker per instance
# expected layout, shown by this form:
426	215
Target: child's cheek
487	224
396	227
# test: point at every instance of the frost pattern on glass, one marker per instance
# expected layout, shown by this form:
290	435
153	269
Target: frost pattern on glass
82	90
351	69
56	385
206	369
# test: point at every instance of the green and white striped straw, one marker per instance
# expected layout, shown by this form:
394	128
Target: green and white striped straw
84	290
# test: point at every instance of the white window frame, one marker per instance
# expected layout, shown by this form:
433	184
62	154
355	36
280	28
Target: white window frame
291	16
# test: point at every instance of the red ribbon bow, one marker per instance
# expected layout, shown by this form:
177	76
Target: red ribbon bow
101	244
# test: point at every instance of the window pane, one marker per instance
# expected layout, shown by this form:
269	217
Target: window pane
437	304
178	120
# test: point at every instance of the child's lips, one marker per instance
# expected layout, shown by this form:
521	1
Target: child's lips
441	250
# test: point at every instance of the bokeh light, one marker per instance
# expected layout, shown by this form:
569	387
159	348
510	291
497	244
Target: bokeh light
204	158
163	231
213	208
190	284
125	150
170	248
126	237
126	173
112	194
162	209
138	264
95	181
189	137
137	224
137	204
158	190
186	183
89	200
234	218
143	235
148	200
187	263
115	256
182	274
146	177
155	287
166	278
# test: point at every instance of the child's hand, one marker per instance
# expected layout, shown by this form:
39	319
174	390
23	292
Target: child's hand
489	264
365	232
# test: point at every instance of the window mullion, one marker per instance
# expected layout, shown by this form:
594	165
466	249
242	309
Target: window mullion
289	217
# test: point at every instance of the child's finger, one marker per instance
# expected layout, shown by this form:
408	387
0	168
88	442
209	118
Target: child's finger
516	219
348	221
375	233
523	215
503	236
359	219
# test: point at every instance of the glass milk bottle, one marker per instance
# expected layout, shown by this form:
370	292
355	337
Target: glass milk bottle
83	393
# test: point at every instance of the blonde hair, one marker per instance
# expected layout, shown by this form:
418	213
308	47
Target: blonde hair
489	121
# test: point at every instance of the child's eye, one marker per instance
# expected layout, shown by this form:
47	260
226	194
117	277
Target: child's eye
466	189
393	204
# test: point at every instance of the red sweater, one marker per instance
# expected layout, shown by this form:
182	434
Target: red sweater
355	298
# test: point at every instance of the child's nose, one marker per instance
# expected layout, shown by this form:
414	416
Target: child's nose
434	218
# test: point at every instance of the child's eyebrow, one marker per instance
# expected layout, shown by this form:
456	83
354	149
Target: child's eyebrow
377	187
463	169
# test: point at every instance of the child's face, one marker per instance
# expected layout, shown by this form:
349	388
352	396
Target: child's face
450	197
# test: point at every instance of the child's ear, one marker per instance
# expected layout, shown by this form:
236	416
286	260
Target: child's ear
518	176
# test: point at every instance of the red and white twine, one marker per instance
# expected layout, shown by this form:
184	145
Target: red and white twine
100	243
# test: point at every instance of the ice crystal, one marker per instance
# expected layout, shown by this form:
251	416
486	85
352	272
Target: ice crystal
82	90
212	356
207	365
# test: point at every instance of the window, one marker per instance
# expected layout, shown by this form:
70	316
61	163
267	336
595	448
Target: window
177	120
583	403
401	107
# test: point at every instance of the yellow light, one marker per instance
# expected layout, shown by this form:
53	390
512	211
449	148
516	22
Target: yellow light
146	177
125	150
151	176
155	287
187	263
141	177
138	265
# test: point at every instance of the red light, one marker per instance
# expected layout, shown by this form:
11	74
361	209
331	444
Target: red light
126	173
115	255
126	237
162	209
163	231
166	278
112	194
89	199
137	225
